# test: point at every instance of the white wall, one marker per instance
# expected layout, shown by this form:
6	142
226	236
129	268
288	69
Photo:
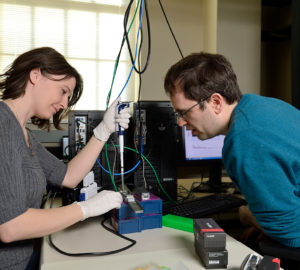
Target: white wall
238	38
186	19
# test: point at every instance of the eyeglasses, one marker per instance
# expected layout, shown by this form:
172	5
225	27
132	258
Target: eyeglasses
182	114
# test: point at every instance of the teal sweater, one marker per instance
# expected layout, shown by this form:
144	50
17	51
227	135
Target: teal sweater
261	154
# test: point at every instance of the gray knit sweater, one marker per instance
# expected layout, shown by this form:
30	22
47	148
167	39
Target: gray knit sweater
24	174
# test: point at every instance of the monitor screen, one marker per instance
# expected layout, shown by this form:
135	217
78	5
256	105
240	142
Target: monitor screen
196	149
206	154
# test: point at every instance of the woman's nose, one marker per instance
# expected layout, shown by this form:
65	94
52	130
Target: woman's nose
65	102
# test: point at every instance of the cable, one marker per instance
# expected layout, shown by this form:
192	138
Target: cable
129	171
141	148
149	39
133	64
161	6
161	187
119	54
125	35
158	181
139	108
108	164
138	51
139	71
46	199
133	242
89	254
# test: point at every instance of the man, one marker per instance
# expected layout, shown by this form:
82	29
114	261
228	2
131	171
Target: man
261	151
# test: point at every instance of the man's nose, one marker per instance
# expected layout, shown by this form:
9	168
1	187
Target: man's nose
181	122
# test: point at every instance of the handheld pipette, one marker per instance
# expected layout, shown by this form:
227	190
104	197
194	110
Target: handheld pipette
120	107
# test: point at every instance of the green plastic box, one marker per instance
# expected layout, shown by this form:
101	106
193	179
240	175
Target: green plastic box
179	223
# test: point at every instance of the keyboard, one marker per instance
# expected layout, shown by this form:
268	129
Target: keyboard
204	206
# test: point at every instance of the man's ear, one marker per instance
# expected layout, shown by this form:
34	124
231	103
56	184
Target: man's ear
217	102
34	75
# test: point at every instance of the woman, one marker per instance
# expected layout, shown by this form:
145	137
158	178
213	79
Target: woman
40	84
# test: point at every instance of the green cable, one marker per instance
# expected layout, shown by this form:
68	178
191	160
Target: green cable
109	93
152	169
110	173
154	173
117	59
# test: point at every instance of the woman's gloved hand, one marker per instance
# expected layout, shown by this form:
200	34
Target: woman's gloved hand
110	120
101	203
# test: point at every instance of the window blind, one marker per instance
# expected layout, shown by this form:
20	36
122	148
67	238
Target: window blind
87	32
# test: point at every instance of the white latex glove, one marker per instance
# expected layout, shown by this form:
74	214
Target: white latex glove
110	120
101	203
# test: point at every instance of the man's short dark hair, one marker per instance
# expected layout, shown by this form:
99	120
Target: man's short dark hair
199	75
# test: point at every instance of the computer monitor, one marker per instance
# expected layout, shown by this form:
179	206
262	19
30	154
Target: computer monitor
196	149
204	153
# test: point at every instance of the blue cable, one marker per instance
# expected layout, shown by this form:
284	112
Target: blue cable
126	171
117	173
136	48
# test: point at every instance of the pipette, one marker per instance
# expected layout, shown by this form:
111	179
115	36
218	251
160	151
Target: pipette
120	107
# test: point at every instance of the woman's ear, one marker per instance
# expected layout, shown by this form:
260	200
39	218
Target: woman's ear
217	102
34	75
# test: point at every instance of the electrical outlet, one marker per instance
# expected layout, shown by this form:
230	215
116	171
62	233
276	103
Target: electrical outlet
80	131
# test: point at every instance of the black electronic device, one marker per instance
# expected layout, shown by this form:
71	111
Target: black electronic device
257	262
81	125
210	243
155	135
203	153
251	261
269	263
209	235
204	206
